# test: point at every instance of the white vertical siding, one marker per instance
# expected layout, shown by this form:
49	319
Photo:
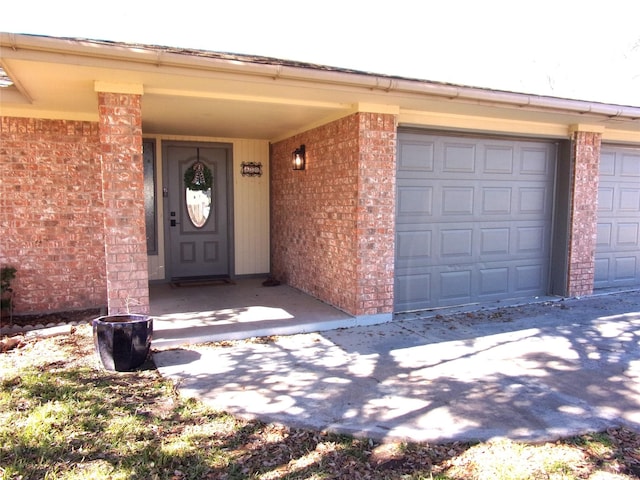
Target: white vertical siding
251	209
250	205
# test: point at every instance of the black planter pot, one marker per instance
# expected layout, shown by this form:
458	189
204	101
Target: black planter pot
122	341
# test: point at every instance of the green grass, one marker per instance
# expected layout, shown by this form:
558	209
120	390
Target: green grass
85	423
63	417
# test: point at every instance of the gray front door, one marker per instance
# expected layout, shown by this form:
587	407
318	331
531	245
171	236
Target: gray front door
197	210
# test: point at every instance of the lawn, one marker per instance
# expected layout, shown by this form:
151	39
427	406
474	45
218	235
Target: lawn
63	417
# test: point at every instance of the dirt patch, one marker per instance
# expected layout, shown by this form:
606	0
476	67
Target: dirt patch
76	317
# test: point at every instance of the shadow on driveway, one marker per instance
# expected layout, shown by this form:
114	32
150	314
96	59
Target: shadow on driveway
535	372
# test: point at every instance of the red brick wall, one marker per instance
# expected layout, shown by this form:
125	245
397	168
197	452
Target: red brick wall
584	213
333	223
51	213
376	213
120	129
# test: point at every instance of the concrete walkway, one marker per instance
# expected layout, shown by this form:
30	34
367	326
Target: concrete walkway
210	312
531	373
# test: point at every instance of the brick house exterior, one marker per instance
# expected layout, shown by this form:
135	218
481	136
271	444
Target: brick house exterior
72	182
333	223
52	213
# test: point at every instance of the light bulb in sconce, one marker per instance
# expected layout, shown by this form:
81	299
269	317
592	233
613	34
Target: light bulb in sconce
299	158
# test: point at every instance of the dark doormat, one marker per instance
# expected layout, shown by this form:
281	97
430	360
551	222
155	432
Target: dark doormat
201	282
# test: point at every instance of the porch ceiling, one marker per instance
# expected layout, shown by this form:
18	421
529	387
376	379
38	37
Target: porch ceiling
173	103
219	95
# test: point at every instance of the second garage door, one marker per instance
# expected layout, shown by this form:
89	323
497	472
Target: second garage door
473	219
618	241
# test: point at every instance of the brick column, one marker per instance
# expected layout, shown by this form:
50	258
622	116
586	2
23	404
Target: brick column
333	224
583	212
376	214
120	128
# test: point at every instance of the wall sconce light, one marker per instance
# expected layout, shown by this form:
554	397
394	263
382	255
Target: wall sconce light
299	159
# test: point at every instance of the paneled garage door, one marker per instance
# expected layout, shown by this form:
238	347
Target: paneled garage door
618	243
473	219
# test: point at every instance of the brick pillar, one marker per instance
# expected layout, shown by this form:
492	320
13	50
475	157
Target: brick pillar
376	214
120	128
332	225
583	212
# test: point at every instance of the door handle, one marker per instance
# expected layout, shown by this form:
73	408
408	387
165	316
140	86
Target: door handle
173	223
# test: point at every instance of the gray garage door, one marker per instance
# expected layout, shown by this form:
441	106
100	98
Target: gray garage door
473	219
618	243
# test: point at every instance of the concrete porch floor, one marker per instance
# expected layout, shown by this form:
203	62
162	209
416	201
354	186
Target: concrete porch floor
199	313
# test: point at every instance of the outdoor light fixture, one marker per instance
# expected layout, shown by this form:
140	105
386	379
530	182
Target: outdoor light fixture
299	159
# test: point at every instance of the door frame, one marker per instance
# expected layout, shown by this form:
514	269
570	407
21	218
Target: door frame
165	199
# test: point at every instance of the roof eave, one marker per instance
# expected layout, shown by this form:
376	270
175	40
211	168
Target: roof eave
283	69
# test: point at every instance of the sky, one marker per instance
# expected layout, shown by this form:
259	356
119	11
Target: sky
580	49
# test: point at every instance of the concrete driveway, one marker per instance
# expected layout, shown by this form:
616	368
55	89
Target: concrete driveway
534	372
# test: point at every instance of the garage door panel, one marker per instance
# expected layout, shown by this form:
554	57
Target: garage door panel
532	200
535	161
414	291
603	236
459	158
456	243
627	234
531	240
493	281
496	200
630	165
482	199
498	160
495	241
456	285
530	279
607	164
488	224
416	157
457	200
617	261
415	201
461	284
616	269
626	268
414	247
605	199
629	200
